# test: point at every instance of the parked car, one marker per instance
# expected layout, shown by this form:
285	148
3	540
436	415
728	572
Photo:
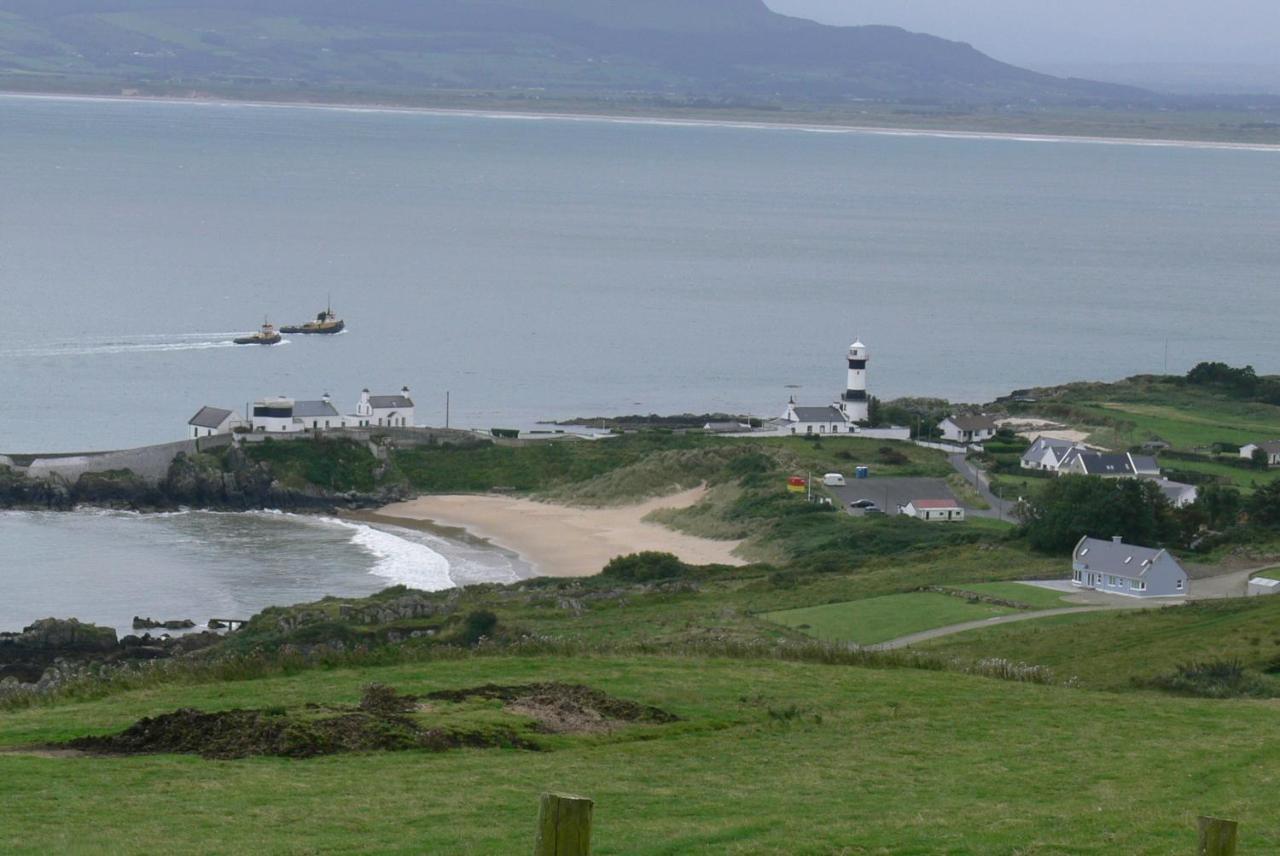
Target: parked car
833	480
863	503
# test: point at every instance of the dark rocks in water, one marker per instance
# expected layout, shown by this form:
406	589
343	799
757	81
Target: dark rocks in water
62	635
152	624
215	624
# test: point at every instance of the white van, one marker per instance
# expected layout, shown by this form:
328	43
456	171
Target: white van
833	480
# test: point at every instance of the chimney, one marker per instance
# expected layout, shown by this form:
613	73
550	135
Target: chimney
404	390
326	398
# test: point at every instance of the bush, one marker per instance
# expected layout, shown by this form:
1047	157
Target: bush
1213	679
646	566
478	625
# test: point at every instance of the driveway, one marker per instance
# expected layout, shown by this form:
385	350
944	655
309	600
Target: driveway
937	632
1000	508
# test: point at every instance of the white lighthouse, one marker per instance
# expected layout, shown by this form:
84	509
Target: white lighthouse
854	403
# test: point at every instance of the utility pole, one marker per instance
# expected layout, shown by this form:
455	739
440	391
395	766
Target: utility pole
446	409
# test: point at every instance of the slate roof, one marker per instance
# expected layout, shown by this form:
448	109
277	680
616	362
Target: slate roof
819	414
1173	491
974	422
1041	444
1118	559
390	402
312	409
1144	464
1106	464
1271	447
209	417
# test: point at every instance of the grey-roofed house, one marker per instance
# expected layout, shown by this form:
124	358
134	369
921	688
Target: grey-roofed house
388	411
1115	567
1107	465
1271	448
1179	495
209	421
1047	453
317	415
968	428
1144	466
828	419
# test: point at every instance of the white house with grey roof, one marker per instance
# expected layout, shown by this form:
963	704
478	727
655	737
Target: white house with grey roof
281	415
1108	465
391	411
209	421
968	428
1047	453
1270	447
849	412
1115	567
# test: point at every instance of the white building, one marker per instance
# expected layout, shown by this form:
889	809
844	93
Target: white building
282	415
934	509
1179	495
1262	586
209	421
968	428
391	411
1271	447
1119	568
848	414
1047	453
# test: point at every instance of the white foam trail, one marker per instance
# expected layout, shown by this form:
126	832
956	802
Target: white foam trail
133	344
399	560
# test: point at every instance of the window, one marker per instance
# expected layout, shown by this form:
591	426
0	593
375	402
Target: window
1139	585
1179	585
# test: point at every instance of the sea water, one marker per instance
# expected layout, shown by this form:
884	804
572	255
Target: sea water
549	268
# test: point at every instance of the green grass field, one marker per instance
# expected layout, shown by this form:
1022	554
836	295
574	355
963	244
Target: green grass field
879	619
1108	650
769	758
1033	596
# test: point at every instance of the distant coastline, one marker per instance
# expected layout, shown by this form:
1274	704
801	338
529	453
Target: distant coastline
747	119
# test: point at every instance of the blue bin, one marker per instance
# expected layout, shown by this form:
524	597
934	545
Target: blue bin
862	473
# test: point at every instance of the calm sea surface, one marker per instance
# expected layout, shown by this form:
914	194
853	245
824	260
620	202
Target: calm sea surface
545	268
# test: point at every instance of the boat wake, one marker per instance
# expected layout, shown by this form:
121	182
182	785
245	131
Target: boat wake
107	345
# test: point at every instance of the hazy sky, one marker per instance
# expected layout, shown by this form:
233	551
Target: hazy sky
1028	32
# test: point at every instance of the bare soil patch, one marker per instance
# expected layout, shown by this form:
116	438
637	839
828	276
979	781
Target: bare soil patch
563	708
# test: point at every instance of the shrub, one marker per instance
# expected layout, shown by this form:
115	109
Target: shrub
642	567
1212	679
478	625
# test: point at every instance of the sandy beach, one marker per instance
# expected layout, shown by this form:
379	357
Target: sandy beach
563	541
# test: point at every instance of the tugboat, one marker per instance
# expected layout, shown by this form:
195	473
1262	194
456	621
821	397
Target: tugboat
326	323
268	335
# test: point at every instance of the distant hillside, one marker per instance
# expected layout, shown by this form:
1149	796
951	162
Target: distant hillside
715	49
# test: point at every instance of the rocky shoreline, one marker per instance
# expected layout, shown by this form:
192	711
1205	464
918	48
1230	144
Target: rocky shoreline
242	485
50	652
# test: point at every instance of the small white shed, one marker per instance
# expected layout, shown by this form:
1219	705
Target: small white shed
1259	586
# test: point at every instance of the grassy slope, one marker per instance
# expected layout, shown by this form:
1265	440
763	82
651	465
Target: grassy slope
880	619
849	760
1108	649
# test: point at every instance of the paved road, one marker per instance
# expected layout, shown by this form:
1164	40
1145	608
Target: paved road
979	481
890	492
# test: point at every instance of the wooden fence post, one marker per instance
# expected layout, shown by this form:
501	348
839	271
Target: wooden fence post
1217	837
564	826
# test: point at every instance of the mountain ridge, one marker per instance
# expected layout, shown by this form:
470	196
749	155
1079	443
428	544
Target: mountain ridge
715	48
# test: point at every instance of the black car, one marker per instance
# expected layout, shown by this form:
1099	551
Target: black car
863	503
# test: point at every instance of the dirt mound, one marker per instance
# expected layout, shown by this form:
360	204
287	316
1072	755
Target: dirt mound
378	724
563	708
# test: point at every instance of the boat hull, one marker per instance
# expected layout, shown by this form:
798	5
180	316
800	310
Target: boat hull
258	340
313	329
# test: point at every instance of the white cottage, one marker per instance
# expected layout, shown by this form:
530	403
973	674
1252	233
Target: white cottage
1271	448
1115	567
391	411
968	428
209	421
282	415
934	509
